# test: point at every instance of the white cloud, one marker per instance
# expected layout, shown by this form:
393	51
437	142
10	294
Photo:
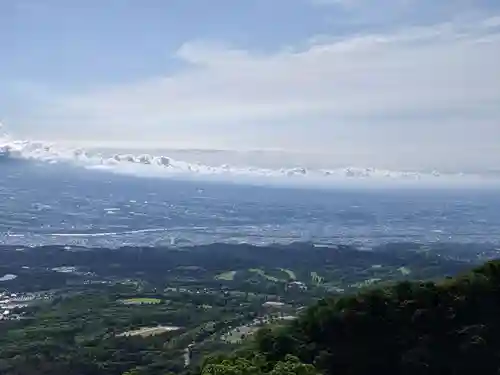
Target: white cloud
366	99
380	14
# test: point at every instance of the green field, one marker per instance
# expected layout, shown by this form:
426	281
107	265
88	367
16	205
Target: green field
226	276
317	279
290	273
275	275
404	271
141	301
261	273
149	331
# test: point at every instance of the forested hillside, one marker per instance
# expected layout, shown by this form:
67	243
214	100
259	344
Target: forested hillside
450	327
271	309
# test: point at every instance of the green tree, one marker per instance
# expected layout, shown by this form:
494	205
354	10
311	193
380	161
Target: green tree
293	366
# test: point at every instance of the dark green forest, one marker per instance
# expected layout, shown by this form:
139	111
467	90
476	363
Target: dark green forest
396	309
449	327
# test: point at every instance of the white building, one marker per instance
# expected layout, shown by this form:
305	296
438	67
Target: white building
297	285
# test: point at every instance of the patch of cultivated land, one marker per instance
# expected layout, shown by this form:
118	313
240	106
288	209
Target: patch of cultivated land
317	279
150	331
141	301
227	276
290	273
404	271
261	273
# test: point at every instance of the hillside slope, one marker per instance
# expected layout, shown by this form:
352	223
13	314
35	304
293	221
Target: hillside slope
451	327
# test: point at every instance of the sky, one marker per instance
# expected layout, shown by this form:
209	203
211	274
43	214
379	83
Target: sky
392	83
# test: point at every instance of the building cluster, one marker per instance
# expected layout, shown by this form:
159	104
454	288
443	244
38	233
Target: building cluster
13	304
298	285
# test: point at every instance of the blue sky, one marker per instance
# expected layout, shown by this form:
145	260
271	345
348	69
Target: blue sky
77	43
352	78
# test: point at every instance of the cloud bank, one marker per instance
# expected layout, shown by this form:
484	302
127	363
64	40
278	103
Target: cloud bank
417	97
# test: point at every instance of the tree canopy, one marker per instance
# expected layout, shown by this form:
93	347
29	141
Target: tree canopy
451	327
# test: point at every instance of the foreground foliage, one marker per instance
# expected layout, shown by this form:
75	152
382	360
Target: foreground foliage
452	327
258	365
